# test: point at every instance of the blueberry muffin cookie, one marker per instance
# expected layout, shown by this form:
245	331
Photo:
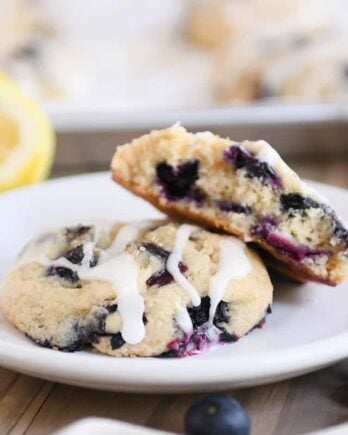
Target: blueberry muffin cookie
243	188
211	23
144	289
296	67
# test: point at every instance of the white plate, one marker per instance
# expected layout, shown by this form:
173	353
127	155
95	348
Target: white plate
69	116
307	330
104	426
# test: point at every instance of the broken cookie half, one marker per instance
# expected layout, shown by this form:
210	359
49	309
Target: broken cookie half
241	188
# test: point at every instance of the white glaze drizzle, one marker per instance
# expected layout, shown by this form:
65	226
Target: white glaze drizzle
183	319
88	254
182	235
233	264
268	154
115	266
122	271
119	267
265	153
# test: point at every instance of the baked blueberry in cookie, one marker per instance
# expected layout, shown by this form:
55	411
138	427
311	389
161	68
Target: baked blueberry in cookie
241	158
177	182
246	190
139	289
162	276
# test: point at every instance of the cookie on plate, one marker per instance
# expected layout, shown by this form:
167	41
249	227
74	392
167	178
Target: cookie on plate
144	289
243	188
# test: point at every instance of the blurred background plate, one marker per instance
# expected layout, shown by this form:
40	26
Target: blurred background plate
70	116
136	65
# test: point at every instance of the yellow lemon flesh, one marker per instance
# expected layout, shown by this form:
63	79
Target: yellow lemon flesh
27	141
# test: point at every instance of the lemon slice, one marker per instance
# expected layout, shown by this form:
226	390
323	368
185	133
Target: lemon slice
27	141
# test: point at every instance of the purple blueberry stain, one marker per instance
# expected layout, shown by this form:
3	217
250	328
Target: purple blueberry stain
162	277
83	333
111	308
63	273
175	345
200	341
254	168
159	279
295	252
75	255
177	182
200	314
196	195
267	230
264	227
116	341
233	207
200	337
176	349
239	157
190	345
296	202
340	231
155	250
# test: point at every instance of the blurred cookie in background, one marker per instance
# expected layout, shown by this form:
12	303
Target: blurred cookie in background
269	49
33	50
313	68
17	19
120	54
210	23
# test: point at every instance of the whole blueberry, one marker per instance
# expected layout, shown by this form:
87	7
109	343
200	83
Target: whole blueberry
216	414
295	201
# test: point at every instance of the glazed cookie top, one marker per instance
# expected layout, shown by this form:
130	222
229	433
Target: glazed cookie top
126	265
